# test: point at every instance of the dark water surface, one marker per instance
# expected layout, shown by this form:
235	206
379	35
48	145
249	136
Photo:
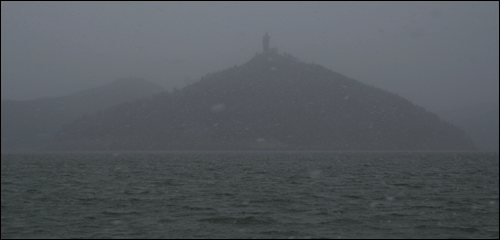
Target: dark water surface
250	195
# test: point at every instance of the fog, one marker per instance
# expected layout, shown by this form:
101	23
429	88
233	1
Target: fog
439	55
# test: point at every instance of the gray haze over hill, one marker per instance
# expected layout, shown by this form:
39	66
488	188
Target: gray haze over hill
438	55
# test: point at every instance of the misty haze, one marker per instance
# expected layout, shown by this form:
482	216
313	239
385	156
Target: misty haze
250	119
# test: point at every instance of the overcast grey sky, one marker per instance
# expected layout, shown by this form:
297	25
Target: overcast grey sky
436	54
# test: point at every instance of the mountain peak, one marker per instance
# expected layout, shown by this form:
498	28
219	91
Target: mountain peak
272	102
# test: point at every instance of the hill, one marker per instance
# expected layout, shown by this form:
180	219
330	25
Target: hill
272	102
32	124
479	121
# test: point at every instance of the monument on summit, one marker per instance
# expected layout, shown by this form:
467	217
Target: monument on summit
265	43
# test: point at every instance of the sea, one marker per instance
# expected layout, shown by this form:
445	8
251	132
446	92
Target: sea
291	195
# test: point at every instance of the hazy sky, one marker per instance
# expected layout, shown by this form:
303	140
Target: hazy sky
436	54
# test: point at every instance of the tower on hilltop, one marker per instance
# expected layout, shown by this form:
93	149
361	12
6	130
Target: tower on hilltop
265	43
